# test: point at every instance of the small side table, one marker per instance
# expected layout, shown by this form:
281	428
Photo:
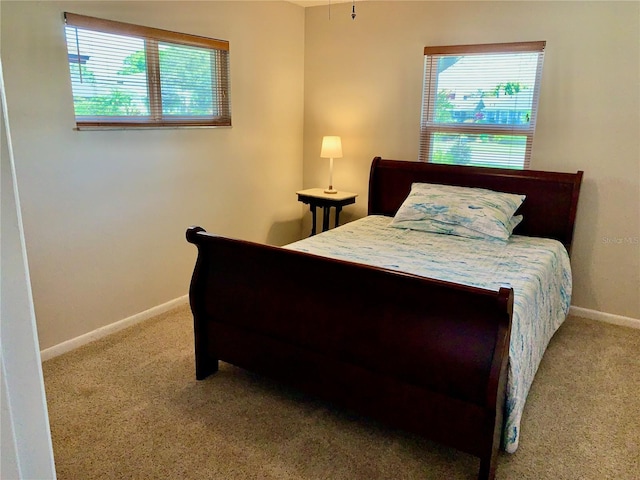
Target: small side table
316	197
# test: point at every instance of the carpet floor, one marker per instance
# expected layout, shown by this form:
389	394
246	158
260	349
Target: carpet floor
128	407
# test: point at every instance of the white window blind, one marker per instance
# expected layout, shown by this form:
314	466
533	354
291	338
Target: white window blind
129	76
480	104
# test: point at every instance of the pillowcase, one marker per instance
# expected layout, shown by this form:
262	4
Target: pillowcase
463	211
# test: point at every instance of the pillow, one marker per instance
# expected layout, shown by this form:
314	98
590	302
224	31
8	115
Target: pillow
463	211
458	230
514	222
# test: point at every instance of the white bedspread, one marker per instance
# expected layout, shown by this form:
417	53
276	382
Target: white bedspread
537	269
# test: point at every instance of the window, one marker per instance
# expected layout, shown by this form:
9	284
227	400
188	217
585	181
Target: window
480	104
128	76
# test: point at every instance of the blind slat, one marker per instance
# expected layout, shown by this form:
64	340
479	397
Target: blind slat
128	29
486	48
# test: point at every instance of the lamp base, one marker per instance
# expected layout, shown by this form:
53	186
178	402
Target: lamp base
330	190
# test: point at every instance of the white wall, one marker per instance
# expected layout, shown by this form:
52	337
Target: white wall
363	81
105	212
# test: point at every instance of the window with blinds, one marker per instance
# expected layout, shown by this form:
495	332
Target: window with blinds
480	104
129	76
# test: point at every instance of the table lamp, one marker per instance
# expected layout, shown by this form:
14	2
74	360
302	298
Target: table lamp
331	148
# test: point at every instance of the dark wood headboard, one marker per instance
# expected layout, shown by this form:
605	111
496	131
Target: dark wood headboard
549	210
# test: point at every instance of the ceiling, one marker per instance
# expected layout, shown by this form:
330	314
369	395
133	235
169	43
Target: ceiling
312	3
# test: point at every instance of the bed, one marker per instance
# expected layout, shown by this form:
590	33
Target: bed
436	350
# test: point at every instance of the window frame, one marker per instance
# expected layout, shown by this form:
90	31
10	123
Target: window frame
151	37
429	128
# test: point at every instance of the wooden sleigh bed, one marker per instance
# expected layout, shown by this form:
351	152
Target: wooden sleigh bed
425	355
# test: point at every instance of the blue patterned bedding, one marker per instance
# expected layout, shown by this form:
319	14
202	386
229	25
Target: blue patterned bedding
537	269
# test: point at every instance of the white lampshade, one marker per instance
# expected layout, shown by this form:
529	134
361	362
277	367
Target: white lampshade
331	147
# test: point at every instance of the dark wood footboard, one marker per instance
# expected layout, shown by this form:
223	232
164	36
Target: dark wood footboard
421	354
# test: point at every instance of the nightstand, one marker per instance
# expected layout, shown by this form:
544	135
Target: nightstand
316	197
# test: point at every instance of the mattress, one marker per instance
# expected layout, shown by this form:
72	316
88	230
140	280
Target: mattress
537	269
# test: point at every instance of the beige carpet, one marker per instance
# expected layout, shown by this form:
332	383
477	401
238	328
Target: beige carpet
129	407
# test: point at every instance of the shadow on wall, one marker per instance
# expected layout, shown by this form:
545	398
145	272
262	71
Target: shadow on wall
346	216
587	241
285	232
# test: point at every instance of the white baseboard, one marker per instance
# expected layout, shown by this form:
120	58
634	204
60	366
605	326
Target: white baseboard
74	343
605	317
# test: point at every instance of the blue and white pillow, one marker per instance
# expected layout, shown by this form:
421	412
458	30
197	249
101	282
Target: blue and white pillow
463	211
